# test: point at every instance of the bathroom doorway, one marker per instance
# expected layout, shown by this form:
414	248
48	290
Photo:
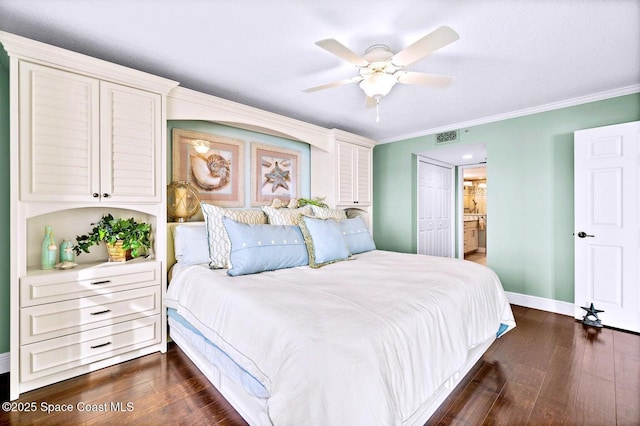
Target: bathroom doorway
474	213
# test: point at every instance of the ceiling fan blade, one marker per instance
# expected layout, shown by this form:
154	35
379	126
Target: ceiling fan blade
422	79
334	84
426	45
343	52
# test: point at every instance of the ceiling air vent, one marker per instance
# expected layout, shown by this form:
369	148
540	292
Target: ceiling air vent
447	137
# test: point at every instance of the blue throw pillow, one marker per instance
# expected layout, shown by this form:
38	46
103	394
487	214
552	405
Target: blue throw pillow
258	248
357	235
324	240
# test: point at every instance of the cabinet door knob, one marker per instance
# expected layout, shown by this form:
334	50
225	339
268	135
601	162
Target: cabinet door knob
105	195
95	195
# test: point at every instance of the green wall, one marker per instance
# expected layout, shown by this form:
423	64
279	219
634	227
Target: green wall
247	136
4	203
530	196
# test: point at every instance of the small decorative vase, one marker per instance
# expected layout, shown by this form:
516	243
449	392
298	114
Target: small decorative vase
66	251
49	250
117	253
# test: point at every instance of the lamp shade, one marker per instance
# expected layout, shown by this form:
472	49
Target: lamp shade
182	201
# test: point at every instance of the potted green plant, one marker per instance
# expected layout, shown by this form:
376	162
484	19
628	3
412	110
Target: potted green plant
318	201
125	238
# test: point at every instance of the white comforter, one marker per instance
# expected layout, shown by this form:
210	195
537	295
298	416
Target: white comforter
360	342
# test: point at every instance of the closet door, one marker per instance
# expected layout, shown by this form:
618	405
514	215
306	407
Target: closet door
130	144
59	134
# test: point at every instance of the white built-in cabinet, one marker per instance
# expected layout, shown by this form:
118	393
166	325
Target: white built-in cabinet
341	162
87	138
342	173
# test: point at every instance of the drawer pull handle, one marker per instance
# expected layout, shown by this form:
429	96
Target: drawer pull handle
101	282
101	345
101	312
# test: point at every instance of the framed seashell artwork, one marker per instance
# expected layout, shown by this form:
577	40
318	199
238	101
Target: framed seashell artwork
275	173
213	164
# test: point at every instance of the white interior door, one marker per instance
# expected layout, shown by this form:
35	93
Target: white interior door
607	223
435	208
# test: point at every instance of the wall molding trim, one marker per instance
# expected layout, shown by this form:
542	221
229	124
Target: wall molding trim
628	90
541	303
5	362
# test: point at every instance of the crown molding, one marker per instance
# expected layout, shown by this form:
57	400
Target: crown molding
628	90
45	54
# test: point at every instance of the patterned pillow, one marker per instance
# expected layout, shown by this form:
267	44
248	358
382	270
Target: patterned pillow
324	240
285	216
219	247
327	213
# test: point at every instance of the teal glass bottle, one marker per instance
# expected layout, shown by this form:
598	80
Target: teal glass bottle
66	251
49	249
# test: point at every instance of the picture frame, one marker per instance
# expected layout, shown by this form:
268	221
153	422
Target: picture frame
213	164
275	173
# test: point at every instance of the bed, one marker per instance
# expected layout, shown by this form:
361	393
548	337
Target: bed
376	338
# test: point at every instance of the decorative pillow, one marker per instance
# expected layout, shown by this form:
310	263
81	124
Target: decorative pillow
357	235
190	244
324	239
327	213
285	216
217	234
258	248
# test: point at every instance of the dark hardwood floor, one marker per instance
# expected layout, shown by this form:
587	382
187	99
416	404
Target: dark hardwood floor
549	370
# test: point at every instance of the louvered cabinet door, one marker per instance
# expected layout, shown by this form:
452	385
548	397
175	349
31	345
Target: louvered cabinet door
59	134
363	175
354	174
130	133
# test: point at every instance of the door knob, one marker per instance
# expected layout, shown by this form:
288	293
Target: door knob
584	234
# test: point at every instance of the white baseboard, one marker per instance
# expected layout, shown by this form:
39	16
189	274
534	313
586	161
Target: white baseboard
5	362
535	302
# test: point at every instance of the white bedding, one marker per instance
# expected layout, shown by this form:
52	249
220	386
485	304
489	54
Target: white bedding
360	342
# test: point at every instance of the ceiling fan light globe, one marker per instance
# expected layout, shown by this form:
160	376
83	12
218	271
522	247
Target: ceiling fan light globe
378	84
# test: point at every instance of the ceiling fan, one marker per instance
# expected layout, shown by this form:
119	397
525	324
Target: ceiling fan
380	69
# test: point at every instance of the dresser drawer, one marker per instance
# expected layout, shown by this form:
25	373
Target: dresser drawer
62	285
64	353
61	318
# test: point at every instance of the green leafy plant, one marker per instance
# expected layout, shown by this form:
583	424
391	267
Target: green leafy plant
315	202
135	236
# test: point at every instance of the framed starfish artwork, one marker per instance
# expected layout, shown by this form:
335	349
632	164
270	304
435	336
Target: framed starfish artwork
275	173
213	164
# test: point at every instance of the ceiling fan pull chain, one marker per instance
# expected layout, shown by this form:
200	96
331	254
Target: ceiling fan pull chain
377	110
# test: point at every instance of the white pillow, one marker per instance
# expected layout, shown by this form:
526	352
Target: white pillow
190	244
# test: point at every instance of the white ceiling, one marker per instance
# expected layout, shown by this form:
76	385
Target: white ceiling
512	55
